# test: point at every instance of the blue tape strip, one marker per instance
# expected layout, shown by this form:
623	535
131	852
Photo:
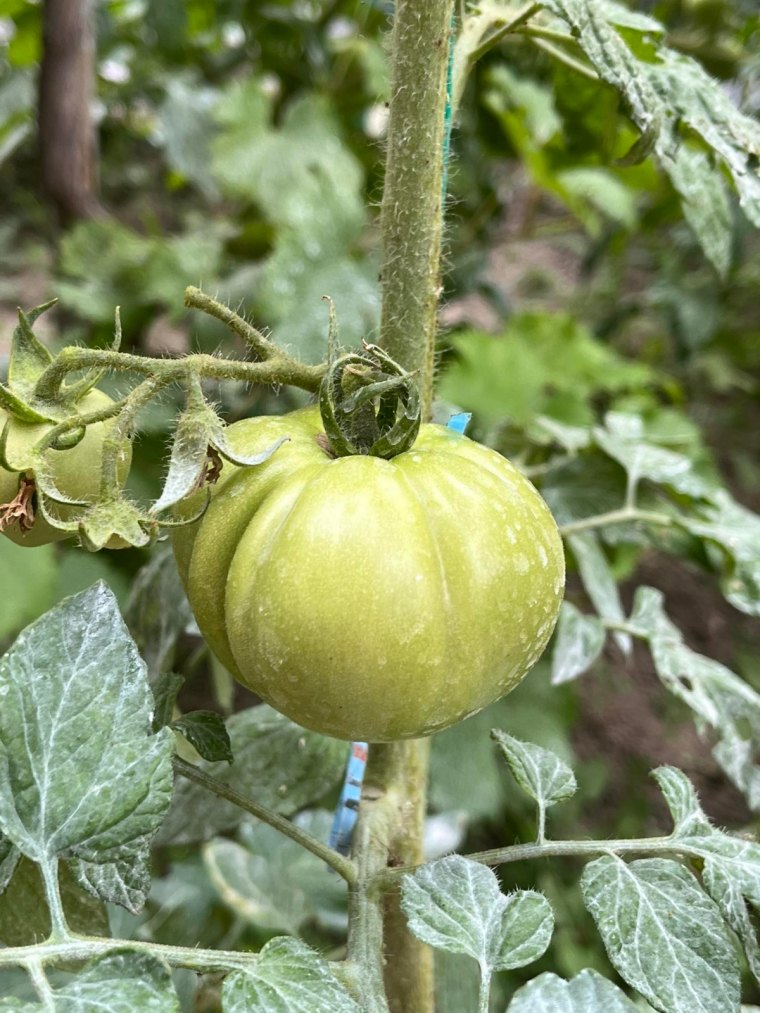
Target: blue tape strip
347	811
459	422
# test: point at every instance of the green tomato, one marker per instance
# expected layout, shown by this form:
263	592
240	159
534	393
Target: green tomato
373	599
75	471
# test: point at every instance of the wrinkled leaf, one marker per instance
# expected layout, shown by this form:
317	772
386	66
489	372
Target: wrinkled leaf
456	905
120	983
587	992
273	882
75	732
288	977
578	643
599	582
538	771
206	732
719	699
663	934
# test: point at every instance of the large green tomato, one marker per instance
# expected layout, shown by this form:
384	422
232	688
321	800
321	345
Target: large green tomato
373	599
75	471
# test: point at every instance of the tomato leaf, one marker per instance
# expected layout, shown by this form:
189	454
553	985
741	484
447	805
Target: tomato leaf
456	905
663	934
288	976
538	771
587	992
283	766
578	643
75	731
599	582
158	611
29	357
731	865
275	884
121	983
206	732
718	698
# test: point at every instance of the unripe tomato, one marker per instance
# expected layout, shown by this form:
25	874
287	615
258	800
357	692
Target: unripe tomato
373	599
75	471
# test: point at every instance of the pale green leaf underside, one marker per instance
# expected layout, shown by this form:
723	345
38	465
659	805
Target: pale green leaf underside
578	643
587	992
121	983
81	775
288	977
538	771
663	934
456	905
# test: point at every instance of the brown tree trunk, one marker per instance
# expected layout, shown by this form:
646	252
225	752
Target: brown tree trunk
68	142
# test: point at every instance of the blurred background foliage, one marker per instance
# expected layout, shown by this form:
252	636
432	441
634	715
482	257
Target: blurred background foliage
240	149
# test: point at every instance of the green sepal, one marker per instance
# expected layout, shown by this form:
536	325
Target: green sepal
29	357
20	409
115	518
369	405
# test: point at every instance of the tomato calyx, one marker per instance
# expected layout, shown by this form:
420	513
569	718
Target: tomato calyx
369	405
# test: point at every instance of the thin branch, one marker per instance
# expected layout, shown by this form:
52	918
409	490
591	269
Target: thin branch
343	866
552	849
511	26
261	346
623	516
566	58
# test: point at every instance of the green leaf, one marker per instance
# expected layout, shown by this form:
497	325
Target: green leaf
719	699
456	905
663	934
538	771
120	983
75	732
587	992
731	865
274	883
623	438
578	643
735	532
705	203
158	611
518	374
599	582
665	93
288	977
165	689
24	916
206	732
283	766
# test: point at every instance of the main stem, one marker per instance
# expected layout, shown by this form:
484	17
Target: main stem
412	223
412	212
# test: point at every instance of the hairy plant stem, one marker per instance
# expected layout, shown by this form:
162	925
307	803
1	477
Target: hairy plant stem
343	866
412	213
622	516
552	849
273	366
412	226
